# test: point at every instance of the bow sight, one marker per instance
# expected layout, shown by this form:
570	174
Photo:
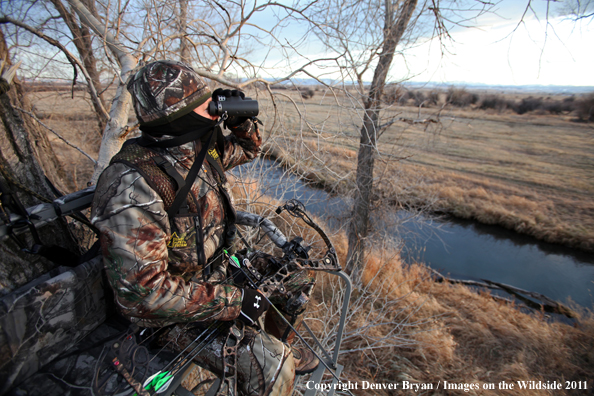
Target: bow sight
295	255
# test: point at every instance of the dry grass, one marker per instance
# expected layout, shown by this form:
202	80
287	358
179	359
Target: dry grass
530	173
459	336
70	115
403	326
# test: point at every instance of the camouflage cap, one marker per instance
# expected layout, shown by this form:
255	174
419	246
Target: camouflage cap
163	91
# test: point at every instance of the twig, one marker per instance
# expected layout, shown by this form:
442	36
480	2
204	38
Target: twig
71	58
55	133
545	303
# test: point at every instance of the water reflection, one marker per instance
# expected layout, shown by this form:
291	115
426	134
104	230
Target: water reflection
476	251
461	249
520	240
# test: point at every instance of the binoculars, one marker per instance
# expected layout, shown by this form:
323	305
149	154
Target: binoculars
234	106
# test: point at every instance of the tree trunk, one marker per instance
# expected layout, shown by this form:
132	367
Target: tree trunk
184	50
395	25
82	39
117	127
26	157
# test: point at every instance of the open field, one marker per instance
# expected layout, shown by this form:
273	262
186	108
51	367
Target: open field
531	173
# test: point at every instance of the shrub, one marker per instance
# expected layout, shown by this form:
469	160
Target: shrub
554	107
393	94
433	97
529	104
460	97
560	106
418	97
396	94
585	108
496	102
307	93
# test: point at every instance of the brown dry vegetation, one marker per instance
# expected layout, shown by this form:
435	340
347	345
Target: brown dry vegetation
70	115
441	332
467	338
531	173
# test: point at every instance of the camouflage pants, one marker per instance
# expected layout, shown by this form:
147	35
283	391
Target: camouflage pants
265	365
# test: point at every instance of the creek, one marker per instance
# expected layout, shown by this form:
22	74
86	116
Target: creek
460	249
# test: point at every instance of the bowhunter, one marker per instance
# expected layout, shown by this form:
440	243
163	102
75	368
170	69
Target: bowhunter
164	255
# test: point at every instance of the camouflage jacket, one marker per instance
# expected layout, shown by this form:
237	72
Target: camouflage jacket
152	263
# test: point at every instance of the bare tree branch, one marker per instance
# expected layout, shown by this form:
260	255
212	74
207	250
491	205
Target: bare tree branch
56	133
71	58
117	127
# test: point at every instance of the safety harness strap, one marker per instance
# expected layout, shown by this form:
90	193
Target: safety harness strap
182	193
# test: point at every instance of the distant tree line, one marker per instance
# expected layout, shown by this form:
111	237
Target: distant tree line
582	107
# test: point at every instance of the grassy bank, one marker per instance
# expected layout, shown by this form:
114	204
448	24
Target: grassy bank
530	173
453	334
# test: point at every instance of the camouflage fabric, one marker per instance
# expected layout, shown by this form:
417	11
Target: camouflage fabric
299	282
163	91
265	365
152	262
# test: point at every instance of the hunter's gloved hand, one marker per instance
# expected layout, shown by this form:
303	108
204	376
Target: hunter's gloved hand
232	121
253	306
239	278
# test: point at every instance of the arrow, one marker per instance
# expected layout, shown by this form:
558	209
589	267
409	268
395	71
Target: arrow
158	382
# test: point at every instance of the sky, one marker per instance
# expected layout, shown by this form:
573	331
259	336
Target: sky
501	52
495	51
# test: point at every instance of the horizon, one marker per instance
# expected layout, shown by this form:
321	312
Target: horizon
576	89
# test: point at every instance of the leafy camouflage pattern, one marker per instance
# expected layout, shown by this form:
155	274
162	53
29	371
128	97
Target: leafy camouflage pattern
152	263
165	90
46	317
265	365
297	283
